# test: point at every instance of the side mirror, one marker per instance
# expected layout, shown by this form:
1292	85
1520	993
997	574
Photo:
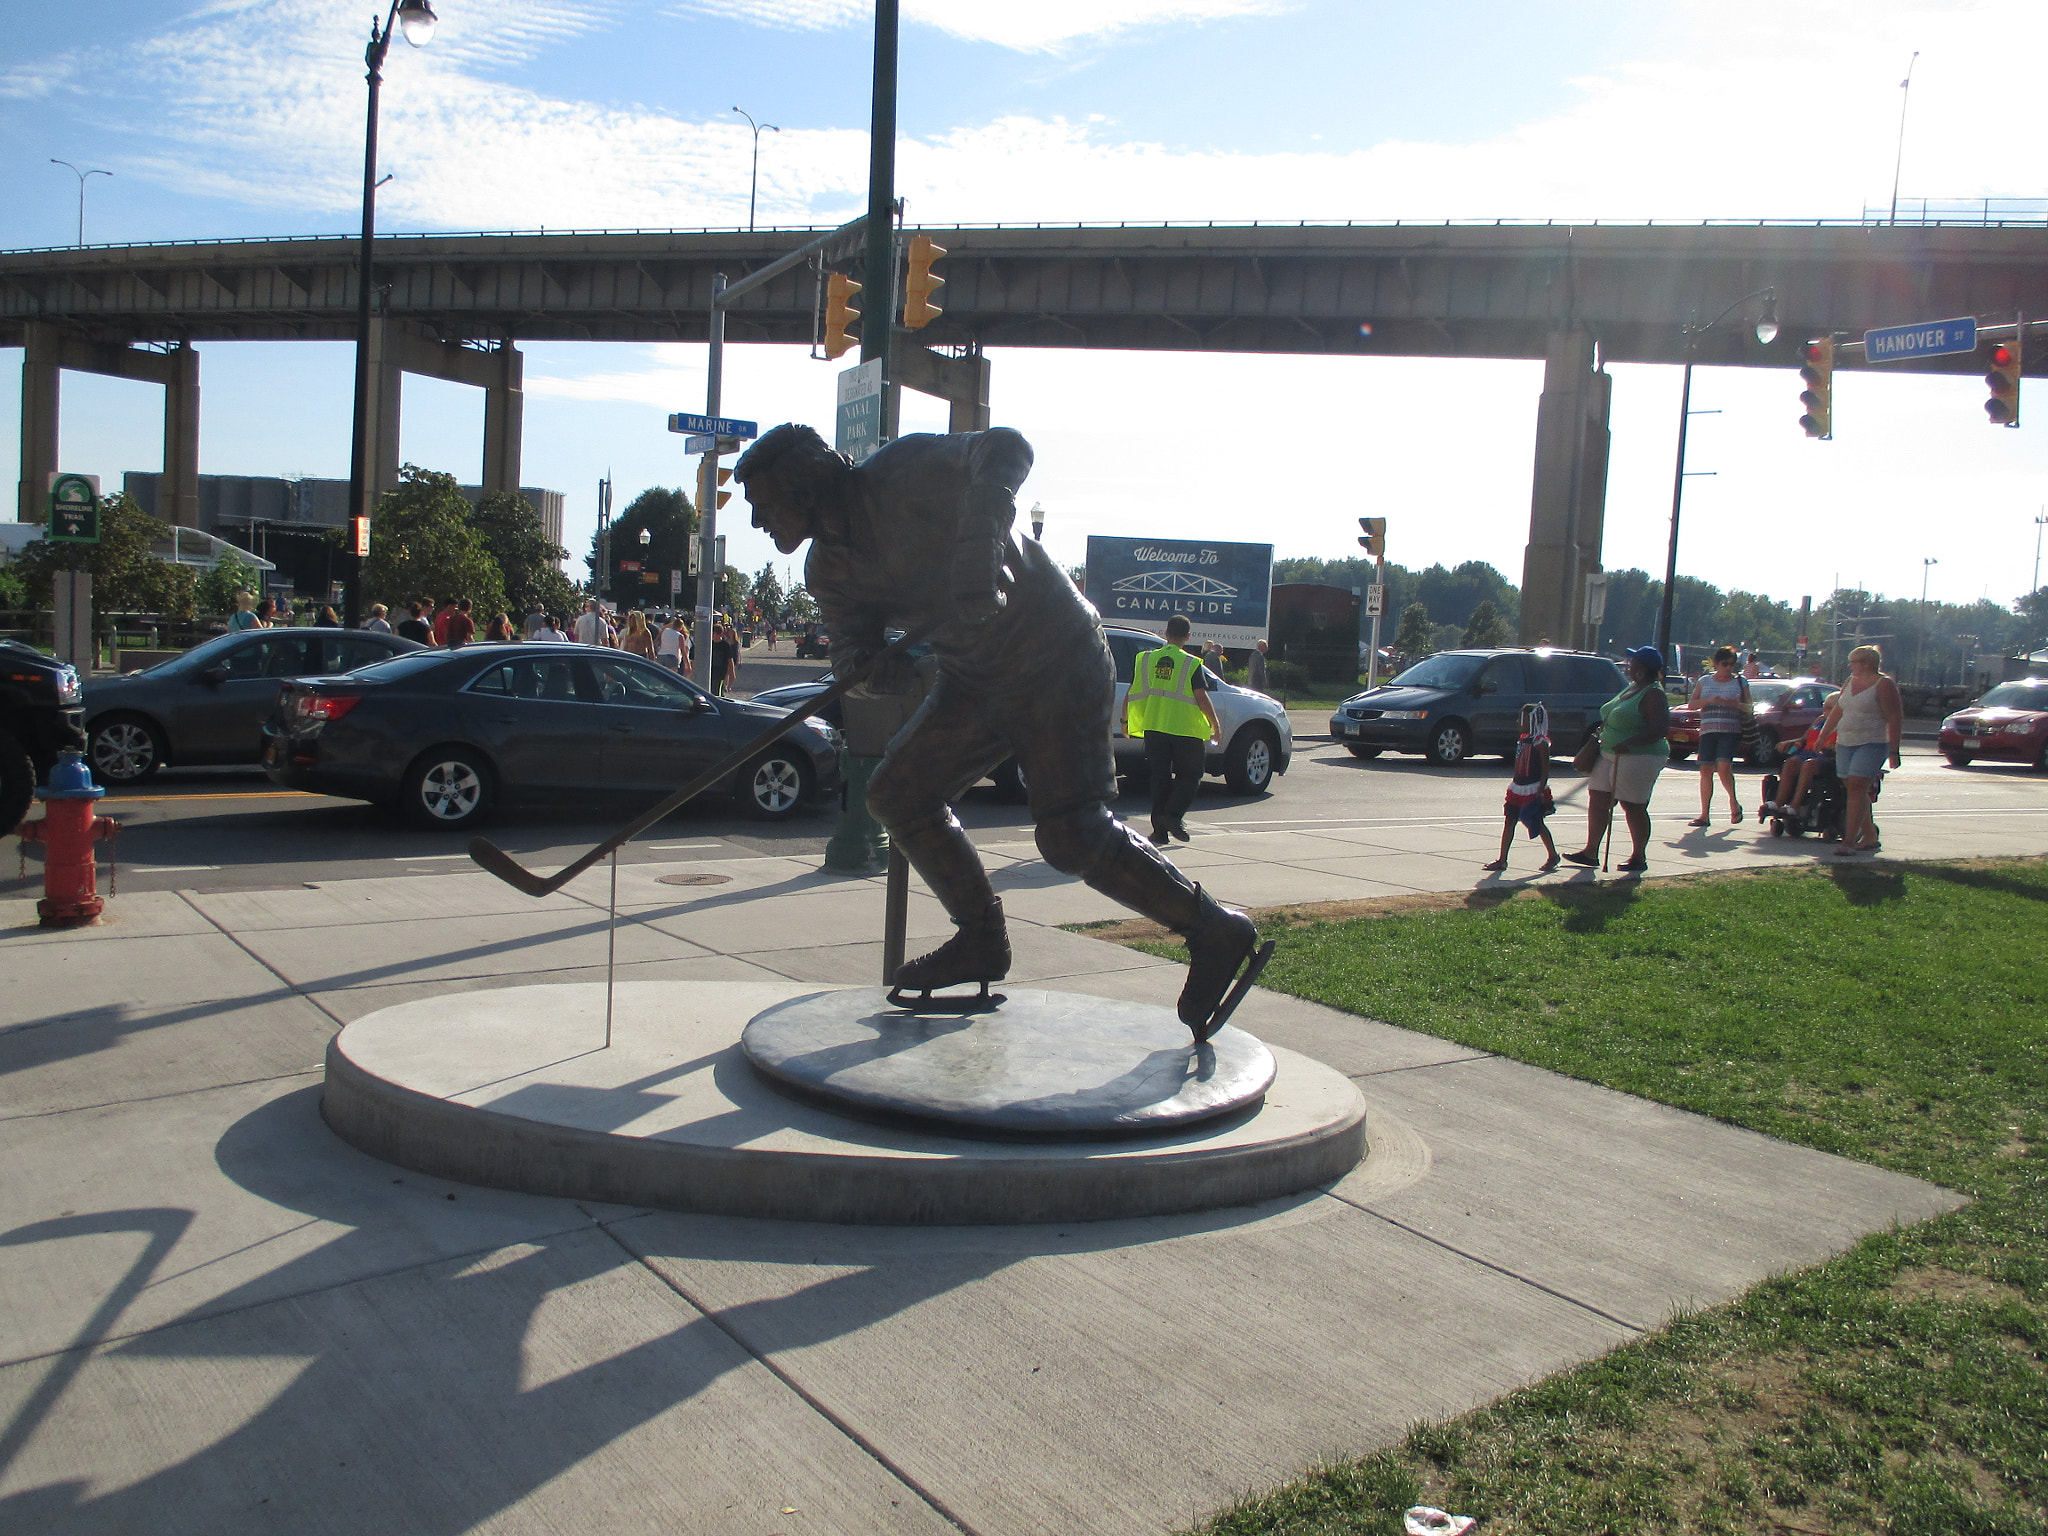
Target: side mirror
213	677
700	705
1481	687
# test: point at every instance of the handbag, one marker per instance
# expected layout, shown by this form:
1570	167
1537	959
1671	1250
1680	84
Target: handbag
1749	736
1588	754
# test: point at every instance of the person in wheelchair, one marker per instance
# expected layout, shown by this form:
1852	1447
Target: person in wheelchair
1802	766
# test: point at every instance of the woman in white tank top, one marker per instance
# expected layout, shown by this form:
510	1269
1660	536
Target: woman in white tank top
1866	716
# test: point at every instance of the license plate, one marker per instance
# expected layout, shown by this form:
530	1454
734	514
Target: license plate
1973	741
1345	730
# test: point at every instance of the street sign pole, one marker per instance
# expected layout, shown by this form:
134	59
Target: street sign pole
1379	605
707	490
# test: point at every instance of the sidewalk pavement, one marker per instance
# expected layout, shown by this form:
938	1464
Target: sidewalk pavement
222	1319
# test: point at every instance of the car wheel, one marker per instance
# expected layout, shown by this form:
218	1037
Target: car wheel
1248	764
1957	759
124	749
1009	781
448	787
1368	753
1777	827
17	782
1450	745
1680	754
774	786
1766	753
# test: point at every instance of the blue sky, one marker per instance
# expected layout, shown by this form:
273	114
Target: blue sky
243	117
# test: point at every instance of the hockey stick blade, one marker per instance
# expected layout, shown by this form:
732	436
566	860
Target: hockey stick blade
1228	1006
491	857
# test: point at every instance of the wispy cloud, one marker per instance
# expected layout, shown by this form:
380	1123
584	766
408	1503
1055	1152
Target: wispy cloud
1046	25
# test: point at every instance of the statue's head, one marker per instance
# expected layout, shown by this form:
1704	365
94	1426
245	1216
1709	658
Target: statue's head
796	485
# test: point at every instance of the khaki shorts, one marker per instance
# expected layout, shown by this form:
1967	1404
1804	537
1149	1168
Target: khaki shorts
1630	777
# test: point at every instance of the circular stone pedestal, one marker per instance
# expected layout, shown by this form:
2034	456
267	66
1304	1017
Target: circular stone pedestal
1042	1066
516	1089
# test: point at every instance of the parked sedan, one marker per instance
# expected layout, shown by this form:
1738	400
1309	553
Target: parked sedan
208	705
1257	740
1785	708
2010	723
446	736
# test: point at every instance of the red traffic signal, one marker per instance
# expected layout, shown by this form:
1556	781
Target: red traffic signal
1817	369
2003	408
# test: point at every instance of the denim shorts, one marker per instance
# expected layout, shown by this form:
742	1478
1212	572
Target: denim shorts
1861	761
1718	747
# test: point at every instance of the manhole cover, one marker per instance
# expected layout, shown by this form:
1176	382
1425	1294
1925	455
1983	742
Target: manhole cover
687	879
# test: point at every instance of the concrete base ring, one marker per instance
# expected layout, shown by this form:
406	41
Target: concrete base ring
515	1089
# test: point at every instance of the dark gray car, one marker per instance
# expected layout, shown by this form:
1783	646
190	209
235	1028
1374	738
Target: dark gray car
209	705
1456	703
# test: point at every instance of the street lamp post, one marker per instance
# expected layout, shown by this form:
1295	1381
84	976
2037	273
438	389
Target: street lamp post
754	180
1766	333
81	175
1926	569
646	538
415	18
2039	524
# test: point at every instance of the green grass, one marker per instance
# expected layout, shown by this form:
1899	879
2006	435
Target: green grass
1892	1013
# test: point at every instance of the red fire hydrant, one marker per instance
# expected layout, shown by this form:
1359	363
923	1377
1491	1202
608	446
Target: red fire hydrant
68	830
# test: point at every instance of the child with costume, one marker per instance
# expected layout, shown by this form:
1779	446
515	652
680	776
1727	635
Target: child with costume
1529	801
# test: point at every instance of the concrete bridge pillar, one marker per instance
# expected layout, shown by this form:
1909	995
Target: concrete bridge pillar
1569	495
399	347
46	351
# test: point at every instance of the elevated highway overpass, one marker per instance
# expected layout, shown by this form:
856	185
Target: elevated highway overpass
1576	296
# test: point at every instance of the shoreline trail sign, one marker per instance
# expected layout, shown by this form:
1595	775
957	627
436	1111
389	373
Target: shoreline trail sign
74	509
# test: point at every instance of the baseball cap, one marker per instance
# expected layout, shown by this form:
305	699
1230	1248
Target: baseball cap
1649	655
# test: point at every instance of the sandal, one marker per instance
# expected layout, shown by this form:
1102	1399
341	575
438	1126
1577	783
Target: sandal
1632	866
1548	866
1496	864
1735	817
1701	821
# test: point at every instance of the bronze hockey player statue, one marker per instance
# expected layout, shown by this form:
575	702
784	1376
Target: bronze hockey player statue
921	532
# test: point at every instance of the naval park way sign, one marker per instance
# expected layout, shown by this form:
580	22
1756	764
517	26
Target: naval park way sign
1223	589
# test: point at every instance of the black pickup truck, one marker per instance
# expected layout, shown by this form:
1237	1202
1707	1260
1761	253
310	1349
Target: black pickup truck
40	714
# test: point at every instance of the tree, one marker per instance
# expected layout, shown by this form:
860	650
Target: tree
423	546
801	606
670	520
527	558
2033	620
732	592
1416	636
216	589
767	593
127	577
1485	628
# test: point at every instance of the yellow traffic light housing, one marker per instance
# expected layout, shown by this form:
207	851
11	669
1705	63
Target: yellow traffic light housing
921	283
1375	540
1817	368
2004	383
723	496
841	313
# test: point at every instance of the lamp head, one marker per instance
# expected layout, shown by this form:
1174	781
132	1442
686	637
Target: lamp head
416	20
646	537
1767	322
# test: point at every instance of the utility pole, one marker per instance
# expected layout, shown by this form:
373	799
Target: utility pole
878	281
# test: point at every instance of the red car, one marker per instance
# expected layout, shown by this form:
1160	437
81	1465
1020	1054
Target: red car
1786	708
2010	723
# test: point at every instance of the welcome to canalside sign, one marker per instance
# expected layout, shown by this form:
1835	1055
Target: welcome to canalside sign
1223	589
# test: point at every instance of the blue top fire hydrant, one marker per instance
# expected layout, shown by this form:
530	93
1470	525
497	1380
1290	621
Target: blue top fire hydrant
67	830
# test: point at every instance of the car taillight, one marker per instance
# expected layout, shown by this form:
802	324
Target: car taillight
324	706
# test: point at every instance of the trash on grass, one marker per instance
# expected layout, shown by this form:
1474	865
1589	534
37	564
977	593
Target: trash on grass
1424	1521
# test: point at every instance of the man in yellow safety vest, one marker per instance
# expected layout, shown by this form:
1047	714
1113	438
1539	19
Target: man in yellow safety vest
1168	705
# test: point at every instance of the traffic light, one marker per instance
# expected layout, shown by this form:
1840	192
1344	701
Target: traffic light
1375	540
723	496
921	284
1818	370
840	313
2004	382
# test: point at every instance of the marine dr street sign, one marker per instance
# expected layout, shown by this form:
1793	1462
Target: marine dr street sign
1930	338
714	426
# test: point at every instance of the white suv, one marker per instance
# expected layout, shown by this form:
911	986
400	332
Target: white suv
1257	742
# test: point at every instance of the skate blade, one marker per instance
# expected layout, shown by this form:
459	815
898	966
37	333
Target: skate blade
1245	981
984	1001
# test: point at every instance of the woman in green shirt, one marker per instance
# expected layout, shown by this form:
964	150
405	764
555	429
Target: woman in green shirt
1634	748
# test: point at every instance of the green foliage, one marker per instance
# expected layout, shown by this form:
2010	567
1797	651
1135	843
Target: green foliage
1416	636
767	591
527	559
1485	627
667	515
422	545
1286	678
801	606
733	587
126	576
13	590
216	589
1897	1387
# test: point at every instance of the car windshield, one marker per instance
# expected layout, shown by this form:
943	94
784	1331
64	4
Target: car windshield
201	655
1767	693
402	666
1440	672
2020	695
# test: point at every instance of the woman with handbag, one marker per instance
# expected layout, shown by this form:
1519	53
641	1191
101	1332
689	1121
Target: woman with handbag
1722	698
1633	751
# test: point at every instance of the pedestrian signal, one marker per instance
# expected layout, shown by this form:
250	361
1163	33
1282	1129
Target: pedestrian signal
1375	539
1817	369
840	314
922	283
2004	383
